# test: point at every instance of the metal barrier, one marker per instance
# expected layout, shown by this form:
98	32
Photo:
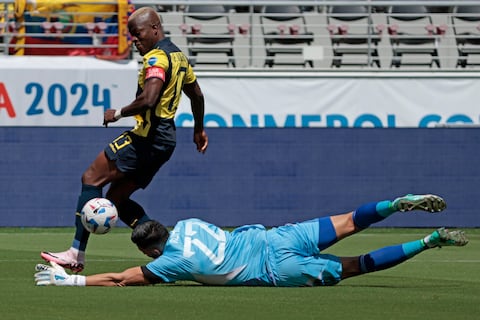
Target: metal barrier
341	35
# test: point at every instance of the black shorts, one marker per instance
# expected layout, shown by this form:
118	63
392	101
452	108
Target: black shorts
138	157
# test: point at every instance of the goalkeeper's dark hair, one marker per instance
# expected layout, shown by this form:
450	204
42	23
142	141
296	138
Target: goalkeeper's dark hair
150	234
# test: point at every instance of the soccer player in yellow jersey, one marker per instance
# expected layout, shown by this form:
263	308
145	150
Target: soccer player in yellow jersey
130	161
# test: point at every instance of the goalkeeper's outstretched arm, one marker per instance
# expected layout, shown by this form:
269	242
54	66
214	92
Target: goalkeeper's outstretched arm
130	277
55	275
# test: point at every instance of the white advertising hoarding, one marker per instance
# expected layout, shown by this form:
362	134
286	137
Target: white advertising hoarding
75	91
374	101
62	91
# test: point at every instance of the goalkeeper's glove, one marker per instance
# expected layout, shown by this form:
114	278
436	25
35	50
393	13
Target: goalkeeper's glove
55	275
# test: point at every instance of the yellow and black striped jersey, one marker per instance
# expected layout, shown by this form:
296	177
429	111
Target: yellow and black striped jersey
171	65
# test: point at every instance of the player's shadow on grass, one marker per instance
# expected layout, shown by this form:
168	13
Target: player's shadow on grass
400	283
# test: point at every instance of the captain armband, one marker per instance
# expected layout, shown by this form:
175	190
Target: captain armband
155	72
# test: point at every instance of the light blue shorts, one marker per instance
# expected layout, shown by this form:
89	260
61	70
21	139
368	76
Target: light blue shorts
296	260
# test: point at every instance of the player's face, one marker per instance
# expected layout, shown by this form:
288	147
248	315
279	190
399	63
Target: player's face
151	252
143	36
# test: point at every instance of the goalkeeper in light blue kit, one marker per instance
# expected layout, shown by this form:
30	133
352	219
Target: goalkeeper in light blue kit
251	255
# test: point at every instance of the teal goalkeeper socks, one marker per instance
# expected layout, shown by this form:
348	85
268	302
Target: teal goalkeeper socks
388	257
373	212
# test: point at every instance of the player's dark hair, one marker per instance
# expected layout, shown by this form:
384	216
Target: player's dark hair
150	234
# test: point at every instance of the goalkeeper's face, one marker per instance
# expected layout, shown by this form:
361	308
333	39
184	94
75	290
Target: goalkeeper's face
151	252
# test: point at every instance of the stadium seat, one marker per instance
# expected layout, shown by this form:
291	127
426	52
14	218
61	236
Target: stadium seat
285	32
208	31
413	33
352	32
466	29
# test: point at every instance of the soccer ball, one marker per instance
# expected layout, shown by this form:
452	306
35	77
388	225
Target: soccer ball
99	215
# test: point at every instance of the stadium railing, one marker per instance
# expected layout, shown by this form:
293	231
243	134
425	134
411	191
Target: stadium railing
65	27
249	45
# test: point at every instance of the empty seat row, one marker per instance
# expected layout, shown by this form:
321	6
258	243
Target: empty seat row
410	29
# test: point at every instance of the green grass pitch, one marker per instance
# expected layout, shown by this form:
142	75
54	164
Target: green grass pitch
437	284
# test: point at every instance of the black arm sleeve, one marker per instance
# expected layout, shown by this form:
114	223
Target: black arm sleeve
150	276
